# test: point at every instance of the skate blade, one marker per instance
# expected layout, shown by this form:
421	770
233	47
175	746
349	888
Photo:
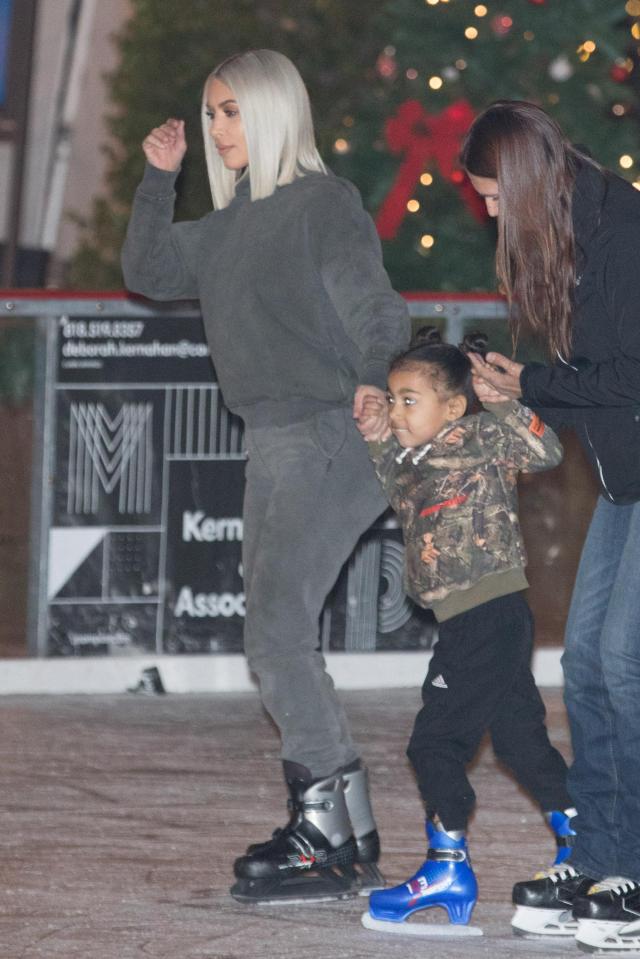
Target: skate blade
291	901
423	929
293	892
531	923
595	936
370	878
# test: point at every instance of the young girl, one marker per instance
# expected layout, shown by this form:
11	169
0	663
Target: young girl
451	478
301	321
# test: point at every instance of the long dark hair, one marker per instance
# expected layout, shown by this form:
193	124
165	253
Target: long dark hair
524	149
448	365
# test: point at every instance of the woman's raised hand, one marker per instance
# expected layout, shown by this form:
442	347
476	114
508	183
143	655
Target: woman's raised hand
166	145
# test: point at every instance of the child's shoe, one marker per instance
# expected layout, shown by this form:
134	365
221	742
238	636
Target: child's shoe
445	879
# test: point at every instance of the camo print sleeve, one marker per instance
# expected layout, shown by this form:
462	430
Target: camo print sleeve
526	443
383	455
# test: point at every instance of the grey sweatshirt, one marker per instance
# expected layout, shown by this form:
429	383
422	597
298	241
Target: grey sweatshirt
297	307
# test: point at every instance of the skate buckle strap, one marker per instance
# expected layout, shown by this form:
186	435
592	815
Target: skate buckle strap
320	805
446	855
294	805
309	805
305	856
564	841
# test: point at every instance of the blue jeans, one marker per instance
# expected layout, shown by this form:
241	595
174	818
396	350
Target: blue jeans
601	666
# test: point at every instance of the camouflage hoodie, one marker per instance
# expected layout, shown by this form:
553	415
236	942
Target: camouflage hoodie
457	500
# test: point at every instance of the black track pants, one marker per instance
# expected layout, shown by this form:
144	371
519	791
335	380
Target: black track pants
480	679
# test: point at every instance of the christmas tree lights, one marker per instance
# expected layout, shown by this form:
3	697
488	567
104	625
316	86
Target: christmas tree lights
447	61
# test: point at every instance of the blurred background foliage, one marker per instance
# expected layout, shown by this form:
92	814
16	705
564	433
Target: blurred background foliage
16	363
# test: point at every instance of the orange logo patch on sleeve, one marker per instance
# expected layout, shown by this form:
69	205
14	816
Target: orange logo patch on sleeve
536	426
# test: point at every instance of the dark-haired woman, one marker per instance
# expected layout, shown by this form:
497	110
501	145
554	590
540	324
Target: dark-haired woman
568	258
451	478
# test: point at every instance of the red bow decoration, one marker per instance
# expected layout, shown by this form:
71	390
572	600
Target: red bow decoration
422	137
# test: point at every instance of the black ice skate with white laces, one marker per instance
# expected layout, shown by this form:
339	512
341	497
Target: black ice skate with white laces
608	917
544	904
313	857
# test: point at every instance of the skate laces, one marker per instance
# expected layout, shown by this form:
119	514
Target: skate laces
557	873
615	884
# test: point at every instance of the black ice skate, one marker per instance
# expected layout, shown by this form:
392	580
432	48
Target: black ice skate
356	794
608	917
544	904
313	857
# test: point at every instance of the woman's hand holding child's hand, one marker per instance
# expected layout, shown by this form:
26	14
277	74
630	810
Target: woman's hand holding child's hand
371	413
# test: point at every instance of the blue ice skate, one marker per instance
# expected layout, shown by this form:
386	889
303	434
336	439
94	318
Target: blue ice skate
445	879
560	823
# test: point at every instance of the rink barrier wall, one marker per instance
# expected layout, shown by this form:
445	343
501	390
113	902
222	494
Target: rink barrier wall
219	673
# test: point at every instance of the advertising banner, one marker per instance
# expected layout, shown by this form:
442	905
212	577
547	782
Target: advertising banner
145	530
204	598
148	466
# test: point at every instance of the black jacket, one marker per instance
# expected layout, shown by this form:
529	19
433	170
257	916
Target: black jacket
596	391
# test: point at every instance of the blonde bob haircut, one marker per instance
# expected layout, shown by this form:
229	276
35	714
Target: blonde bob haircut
276	119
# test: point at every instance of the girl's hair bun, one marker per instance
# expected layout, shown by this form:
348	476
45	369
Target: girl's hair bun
475	342
425	336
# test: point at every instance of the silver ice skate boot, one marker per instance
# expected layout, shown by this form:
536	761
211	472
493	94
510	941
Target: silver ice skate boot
313	857
356	793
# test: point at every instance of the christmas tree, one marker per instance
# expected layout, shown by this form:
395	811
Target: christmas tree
443	62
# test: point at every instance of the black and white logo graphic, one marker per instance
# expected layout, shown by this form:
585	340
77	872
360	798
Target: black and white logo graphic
109	452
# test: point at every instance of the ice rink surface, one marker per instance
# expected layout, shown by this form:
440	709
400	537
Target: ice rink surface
122	816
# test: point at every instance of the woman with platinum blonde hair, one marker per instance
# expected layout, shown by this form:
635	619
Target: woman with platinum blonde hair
301	321
276	116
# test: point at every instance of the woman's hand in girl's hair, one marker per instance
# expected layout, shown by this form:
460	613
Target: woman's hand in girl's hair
499	373
166	145
487	393
371	413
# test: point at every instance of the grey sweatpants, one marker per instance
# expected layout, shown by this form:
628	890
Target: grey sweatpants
310	493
